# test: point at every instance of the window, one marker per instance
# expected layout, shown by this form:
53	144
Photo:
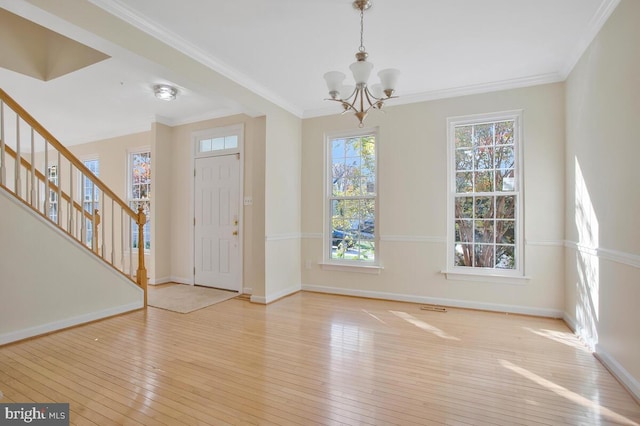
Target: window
52	174
218	144
485	225
90	200
140	193
351	192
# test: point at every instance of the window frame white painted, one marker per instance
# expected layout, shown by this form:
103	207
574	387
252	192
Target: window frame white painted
468	273
82	189
129	192
353	265
53	195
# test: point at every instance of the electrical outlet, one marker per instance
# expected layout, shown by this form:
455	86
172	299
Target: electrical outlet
248	201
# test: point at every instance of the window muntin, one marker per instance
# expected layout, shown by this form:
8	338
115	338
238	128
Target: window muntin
90	196
218	143
140	194
52	174
352	200
486	196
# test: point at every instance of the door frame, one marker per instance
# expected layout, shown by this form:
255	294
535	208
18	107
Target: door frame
236	129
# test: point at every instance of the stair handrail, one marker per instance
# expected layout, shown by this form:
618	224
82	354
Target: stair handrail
139	217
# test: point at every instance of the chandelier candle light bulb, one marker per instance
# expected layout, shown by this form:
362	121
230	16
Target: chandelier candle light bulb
360	99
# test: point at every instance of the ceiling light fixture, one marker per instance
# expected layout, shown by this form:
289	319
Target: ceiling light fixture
360	99
165	92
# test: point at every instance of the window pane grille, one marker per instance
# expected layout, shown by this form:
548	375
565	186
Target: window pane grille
352	199
90	198
486	195
140	194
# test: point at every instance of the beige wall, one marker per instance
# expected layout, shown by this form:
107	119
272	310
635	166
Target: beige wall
49	281
161	185
412	152
112	155
171	257
603	202
181	170
282	207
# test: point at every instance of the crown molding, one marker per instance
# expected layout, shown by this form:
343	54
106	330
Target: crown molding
595	25
454	92
127	14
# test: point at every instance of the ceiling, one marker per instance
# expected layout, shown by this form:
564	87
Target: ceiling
280	49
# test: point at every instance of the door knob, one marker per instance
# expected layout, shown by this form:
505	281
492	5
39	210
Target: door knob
235	232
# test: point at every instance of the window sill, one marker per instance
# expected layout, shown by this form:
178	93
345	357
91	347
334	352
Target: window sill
363	269
485	278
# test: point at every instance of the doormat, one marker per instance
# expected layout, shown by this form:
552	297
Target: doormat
184	298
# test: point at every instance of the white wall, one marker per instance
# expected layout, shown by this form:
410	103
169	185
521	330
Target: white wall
412	152
48	281
603	202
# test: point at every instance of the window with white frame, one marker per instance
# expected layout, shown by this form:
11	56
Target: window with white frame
351	198
485	196
52	174
90	200
139	178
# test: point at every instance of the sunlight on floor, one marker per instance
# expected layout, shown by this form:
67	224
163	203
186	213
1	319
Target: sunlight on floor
423	325
565	338
592	406
373	316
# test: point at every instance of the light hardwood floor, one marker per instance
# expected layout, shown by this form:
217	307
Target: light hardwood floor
317	359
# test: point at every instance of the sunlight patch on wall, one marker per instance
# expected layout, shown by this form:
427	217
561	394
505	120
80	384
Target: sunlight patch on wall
588	264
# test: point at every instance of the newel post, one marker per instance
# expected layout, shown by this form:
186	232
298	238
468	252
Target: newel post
141	275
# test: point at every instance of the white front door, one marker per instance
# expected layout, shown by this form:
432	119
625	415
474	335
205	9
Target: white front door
217	239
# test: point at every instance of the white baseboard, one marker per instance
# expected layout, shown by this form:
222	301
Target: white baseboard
571	322
181	280
160	281
513	309
619	372
14	336
265	300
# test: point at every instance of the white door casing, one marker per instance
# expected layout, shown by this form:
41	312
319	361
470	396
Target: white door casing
216	211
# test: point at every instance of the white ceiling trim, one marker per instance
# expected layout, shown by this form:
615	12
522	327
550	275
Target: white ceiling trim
596	24
453	92
197	118
121	11
130	130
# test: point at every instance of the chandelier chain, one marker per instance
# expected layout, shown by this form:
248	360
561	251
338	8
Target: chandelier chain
361	98
361	48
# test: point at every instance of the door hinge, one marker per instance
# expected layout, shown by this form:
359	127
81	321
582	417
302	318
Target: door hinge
194	270
194	221
194	172
237	156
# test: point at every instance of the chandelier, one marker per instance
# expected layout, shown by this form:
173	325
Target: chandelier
361	98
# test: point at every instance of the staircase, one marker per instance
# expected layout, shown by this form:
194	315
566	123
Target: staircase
45	177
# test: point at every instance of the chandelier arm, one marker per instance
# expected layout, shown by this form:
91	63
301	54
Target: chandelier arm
356	100
343	103
369	95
